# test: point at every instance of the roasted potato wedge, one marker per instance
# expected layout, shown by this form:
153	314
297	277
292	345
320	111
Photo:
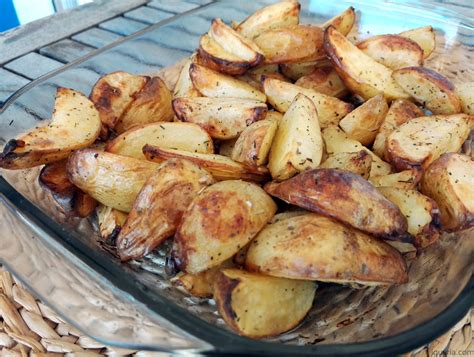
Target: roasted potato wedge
356	162
75	124
222	118
344	196
336	141
275	16
272	114
214	84
226	146
429	88
363	122
182	136
110	222
465	92
260	306
298	43
360	73
184	86
450	182
425	37
298	145
420	141
393	51
221	167
281	94
295	71
342	22
399	113
324	80
314	247
83	204
220	220
159	206
151	104
113	93
113	180
54	177
421	212
407	179
253	145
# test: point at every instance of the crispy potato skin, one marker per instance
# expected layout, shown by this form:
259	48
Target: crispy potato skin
450	182
299	43
363	122
420	141
425	37
54	177
407	179
261	306
279	15
324	80
393	51
344	196
111	179
151	104
83	204
314	247
399	113
110	222
159	206
356	162
221	219
465	92
429	88
342	22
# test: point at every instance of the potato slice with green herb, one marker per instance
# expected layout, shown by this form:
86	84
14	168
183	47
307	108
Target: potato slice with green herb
324	80
425	37
356	162
407	179
465	92
342	22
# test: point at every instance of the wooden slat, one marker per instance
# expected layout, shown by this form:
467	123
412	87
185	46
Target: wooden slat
44	31
96	37
123	26
175	7
10	83
33	65
66	50
148	15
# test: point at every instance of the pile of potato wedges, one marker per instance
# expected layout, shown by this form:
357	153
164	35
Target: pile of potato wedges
285	155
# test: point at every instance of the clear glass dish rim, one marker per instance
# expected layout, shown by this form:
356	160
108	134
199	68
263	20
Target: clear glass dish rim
225	341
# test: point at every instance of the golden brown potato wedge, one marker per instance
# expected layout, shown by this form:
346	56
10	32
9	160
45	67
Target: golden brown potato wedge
324	80
110	222
200	284
361	74
342	22
83	204
221	167
151	104
113	180
295	71
298	43
253	145
158	208
210	54
298	145
465	92
54	177
214	84
281	94
450	182
363	122
113	93
279	15
393	51
184	86
356	162
425	37
407	179
421	212
75	124
260	306
399	113
344	196
336	141
429	88
222	118
314	247
221	219
420	141
182	136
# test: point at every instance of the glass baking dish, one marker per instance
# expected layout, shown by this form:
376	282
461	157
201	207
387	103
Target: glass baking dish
134	306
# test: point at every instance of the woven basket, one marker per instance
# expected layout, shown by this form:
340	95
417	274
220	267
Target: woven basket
30	328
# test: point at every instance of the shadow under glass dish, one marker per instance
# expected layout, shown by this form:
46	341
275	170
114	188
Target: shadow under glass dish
343	320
